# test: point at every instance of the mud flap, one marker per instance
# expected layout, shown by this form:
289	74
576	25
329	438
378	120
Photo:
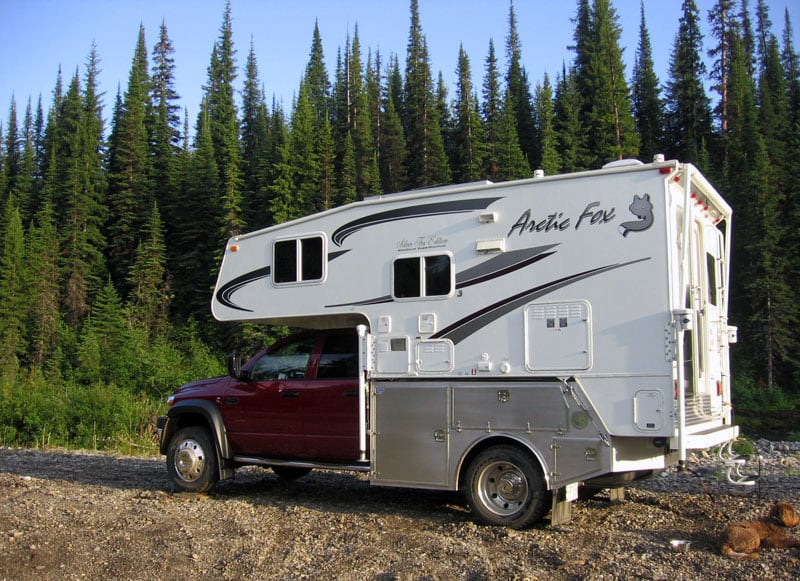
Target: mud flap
561	512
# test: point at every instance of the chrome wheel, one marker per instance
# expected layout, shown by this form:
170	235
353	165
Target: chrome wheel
192	463
502	488
190	460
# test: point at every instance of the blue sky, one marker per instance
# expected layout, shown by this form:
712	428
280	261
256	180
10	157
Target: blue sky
39	36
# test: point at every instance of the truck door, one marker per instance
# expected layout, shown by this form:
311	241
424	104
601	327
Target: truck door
263	415
330	401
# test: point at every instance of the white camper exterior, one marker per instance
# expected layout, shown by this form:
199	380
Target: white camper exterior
580	319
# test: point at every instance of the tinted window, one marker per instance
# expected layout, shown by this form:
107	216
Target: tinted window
310	266
406	277
289	361
437	275
339	358
409	274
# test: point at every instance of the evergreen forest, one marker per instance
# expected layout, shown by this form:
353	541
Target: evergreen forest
111	230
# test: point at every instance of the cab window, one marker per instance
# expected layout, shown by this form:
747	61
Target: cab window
288	361
339	358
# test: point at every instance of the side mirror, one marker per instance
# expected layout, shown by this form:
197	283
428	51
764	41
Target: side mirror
234	365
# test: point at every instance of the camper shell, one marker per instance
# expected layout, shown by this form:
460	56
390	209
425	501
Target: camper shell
517	340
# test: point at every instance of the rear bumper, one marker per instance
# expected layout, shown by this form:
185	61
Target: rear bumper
707	438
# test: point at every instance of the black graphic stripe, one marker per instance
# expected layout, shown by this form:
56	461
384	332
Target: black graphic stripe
411	212
224	294
471	324
502	265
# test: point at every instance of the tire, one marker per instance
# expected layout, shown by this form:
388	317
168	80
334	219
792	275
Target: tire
290	472
192	460
504	486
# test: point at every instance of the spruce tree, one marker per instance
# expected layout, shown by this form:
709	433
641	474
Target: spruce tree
518	94
255	143
129	188
427	162
148	279
13	291
723	26
688	111
610	123
568	125
548	154
467	160
762	301
77	194
492	112
646	99
393	152
165	133
224	129
43	285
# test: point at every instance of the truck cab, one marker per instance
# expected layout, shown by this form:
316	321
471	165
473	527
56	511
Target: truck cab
296	401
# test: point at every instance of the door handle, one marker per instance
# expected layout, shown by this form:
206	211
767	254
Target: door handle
290	393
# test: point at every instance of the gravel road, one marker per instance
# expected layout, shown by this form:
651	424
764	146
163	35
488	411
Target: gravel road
67	515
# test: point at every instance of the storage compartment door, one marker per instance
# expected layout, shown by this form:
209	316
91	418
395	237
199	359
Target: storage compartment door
410	440
558	336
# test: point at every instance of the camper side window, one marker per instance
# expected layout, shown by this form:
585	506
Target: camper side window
298	260
423	276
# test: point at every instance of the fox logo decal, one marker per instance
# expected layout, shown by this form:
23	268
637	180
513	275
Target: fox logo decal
642	209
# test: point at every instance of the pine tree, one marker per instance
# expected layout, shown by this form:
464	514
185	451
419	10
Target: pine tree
361	126
545	121
762	300
148	280
12	160
492	112
467	159
78	194
688	112
129	189
569	129
13	292
165	131
723	25
426	163
255	142
646	101
43	285
194	245
393	152
224	128
518	94
610	122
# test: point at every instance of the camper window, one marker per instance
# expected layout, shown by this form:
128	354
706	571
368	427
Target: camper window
298	260
423	276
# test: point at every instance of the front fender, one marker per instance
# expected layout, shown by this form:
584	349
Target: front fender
178	417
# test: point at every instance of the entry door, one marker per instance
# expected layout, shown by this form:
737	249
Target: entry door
702	349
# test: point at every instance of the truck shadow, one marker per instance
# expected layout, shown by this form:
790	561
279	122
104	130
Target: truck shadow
328	491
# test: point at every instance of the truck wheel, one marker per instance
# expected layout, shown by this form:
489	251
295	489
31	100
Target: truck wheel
290	472
504	486
192	460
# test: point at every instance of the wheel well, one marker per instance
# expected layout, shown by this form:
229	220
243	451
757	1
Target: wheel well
498	441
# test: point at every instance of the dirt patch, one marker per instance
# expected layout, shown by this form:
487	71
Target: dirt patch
70	515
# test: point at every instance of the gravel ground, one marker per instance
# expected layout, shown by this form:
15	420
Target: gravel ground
67	515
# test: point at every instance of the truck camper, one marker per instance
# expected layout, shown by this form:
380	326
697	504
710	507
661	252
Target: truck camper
514	340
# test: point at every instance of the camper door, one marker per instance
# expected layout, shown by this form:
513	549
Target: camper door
703	349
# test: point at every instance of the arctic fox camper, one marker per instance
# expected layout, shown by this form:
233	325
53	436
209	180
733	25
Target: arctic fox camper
514	340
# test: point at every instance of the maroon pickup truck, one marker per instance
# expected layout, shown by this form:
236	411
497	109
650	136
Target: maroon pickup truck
292	407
